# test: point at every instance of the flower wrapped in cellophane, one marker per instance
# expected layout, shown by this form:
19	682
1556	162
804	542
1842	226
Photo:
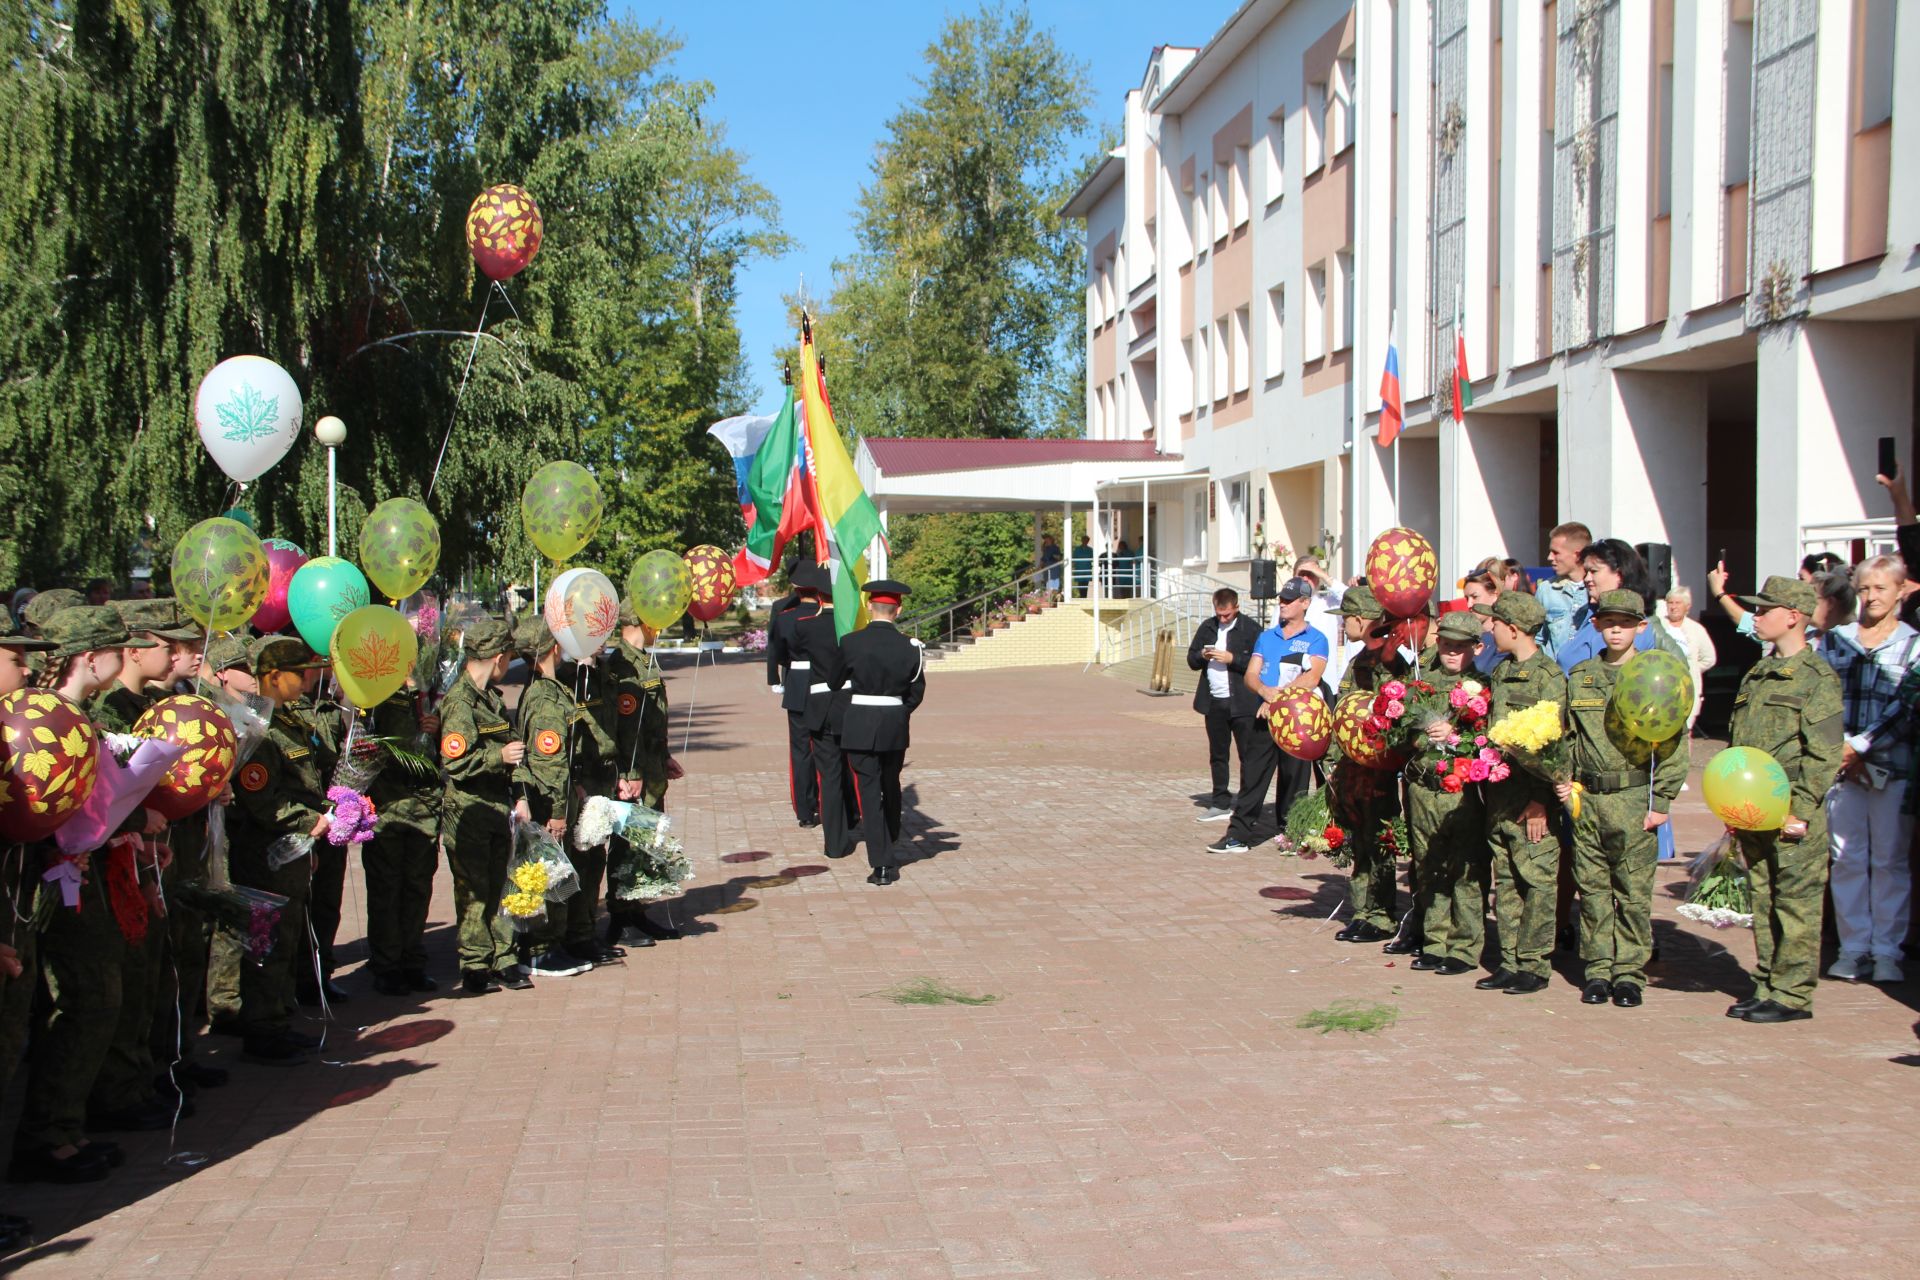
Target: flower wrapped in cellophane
538	873
1722	894
250	714
1535	738
253	914
650	864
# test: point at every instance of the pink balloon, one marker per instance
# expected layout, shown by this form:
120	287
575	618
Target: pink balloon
283	561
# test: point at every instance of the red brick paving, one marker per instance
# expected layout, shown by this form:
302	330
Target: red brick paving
1140	1102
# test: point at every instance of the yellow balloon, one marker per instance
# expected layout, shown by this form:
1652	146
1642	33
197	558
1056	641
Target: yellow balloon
220	573
373	654
561	508
399	547
1747	789
659	587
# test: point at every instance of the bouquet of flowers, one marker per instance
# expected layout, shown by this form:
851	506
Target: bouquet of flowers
1535	738
538	873
1722	895
353	817
1311	831
1403	711
754	641
653	865
252	913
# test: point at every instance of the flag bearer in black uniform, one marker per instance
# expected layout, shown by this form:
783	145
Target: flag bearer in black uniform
817	644
789	674
884	680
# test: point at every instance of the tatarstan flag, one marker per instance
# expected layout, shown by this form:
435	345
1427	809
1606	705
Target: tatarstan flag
846	516
777	485
1462	388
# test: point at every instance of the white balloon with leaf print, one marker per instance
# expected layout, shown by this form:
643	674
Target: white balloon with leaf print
248	411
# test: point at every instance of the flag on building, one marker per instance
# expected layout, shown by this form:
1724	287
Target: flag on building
1392	411
846	521
1462	388
779	490
742	436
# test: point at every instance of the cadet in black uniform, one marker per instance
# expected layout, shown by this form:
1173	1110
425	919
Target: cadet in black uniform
789	674
817	643
885	679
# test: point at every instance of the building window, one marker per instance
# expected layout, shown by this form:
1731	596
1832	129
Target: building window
1182	249
1314	125
1197	525
1313	325
1242	364
1275	345
1202	197
1276	175
1235	520
1739	124
1545	210
1876	62
1222	358
1199	368
1663	191
1222	207
1343	322
1341	121
1241	192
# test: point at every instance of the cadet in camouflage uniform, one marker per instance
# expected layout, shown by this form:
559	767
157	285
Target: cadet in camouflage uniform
41	608
1614	845
555	732
596	771
1526	854
478	753
82	951
1788	706
1364	799
280	792
1448	829
404	853
645	763
225	677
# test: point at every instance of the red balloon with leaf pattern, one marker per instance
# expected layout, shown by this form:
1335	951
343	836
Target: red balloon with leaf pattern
47	762
1402	570
1301	724
504	230
202	770
713	582
1362	745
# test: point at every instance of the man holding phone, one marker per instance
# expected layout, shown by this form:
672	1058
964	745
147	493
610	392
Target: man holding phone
1220	649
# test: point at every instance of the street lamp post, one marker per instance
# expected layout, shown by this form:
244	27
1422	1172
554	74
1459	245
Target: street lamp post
331	432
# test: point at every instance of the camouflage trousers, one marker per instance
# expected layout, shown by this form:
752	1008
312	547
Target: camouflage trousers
478	834
1526	877
1449	836
399	863
82	953
1613	861
1789	890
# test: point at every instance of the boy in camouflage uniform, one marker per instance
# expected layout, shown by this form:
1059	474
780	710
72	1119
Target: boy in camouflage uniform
478	753
1526	854
225	678
400	860
645	763
1789	706
1365	799
1448	828
1629	787
597	772
554	732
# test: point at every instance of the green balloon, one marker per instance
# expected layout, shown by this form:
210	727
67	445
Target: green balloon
241	516
1654	695
659	587
399	547
220	573
561	508
1639	752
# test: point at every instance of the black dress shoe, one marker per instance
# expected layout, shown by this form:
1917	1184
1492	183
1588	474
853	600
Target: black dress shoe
337	994
1741	1008
391	984
1596	992
1361	931
1498	980
1425	962
1774	1011
1525	984
199	1075
14	1232
104	1150
843	853
892	874
417	980
1453	968
478	982
514	979
1627	995
43	1166
1402	947
877	876
634	936
809	822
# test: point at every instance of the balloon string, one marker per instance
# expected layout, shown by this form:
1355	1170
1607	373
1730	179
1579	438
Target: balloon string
479	328
693	696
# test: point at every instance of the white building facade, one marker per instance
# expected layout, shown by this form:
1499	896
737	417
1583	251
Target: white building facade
1681	242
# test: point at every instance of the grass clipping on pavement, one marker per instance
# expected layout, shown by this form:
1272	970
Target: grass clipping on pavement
929	991
1352	1016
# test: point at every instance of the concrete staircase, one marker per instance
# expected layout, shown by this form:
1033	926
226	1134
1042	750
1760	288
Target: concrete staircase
1058	637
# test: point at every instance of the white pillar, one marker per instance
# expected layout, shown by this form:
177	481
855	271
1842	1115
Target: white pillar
877	559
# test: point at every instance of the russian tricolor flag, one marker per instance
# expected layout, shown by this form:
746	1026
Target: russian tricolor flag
1392	414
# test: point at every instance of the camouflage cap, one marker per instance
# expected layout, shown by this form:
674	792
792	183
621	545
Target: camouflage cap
531	637
283	653
1459	624
41	608
224	652
628	618
1359	602
487	637
86	629
1516	609
1621	601
1783	593
163	618
11	638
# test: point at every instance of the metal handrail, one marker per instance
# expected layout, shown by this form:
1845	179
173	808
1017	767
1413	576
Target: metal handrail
916	624
1140	630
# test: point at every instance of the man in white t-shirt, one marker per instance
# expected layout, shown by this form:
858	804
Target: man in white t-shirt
1220	648
1323	615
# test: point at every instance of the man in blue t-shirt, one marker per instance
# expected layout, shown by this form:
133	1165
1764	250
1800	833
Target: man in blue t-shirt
1289	654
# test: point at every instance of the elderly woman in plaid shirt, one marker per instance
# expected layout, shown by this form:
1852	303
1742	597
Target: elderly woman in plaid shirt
1869	810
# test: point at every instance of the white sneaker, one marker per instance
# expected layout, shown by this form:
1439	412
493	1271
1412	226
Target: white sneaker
1848	968
1215	815
1887	969
556	964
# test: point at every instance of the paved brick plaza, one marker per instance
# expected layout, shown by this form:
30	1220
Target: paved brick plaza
1139	1103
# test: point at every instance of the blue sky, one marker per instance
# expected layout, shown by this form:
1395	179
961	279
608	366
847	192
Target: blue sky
863	59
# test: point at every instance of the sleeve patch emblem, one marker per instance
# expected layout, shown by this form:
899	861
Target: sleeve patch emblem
254	777
628	704
547	742
453	746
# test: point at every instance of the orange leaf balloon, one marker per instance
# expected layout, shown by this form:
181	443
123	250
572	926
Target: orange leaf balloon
1402	570
713	583
202	770
1300	724
503	230
46	762
1365	749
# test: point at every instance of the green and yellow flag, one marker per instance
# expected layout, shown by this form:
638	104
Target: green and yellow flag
847	521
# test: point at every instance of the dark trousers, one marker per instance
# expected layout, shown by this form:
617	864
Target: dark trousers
1219	745
830	770
876	784
802	786
1259	759
1296	779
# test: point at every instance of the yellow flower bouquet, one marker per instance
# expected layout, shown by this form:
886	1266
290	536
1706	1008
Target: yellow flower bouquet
538	874
1535	738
